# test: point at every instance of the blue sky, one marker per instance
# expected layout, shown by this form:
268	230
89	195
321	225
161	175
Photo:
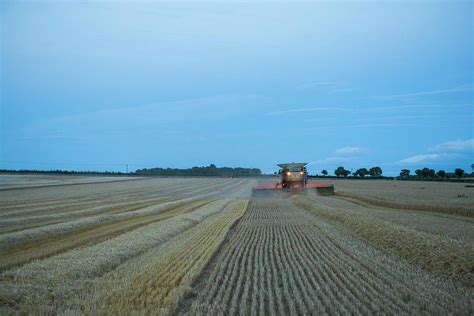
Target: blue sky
98	85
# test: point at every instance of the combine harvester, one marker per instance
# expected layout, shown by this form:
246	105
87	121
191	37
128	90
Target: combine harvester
294	180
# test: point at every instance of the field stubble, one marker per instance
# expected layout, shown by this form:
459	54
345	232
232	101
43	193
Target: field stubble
441	197
180	245
282	259
51	267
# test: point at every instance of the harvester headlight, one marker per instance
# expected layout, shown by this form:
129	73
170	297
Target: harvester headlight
301	172
288	173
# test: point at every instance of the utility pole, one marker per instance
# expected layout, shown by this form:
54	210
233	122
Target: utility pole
127	168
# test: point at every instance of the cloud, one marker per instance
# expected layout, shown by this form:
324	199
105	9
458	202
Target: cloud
441	107
328	86
462	88
303	110
319	84
420	158
382	111
443	152
342	155
314	130
349	150
455	146
332	160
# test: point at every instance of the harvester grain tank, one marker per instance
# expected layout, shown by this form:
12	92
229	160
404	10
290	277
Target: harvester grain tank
293	179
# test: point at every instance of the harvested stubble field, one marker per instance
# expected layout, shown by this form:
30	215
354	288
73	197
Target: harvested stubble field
204	246
444	197
14	181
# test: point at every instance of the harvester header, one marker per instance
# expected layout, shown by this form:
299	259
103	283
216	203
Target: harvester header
293	179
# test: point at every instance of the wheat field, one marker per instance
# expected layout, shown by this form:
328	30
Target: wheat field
283	259
205	246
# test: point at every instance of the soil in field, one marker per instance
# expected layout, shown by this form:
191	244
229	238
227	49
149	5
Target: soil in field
282	259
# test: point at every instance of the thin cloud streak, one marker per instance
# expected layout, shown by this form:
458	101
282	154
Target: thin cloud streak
447	107
420	158
330	85
376	119
332	160
302	110
360	126
342	155
350	150
441	107
462	88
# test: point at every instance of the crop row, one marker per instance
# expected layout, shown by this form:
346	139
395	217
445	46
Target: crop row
157	281
281	259
65	279
50	232
438	255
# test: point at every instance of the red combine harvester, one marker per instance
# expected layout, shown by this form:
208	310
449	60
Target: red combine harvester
294	179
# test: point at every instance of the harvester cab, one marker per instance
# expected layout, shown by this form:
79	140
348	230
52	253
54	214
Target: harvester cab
293	180
293	175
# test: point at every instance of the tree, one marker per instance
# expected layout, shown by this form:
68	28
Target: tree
441	174
361	172
426	172
459	172
324	172
431	173
340	171
405	173
418	172
375	172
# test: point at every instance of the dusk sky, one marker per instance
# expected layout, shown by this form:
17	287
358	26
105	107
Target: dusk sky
98	85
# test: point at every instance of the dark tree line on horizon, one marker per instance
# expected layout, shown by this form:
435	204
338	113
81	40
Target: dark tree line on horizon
427	173
208	171
64	172
376	172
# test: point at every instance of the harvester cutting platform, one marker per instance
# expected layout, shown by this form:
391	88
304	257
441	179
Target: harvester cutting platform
294	179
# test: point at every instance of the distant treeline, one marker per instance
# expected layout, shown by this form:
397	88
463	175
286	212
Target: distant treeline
208	171
440	175
65	172
424	174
